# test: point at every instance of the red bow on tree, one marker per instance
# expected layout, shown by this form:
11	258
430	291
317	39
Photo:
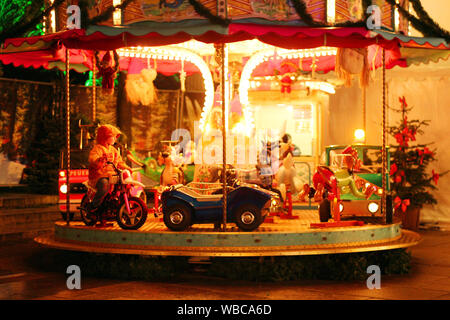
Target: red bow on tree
405	136
403	203
399	174
423	152
393	169
400	139
435	177
403	101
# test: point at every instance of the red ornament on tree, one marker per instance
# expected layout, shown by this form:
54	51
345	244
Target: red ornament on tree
403	204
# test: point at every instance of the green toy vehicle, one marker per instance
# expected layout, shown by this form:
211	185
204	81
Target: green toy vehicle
353	175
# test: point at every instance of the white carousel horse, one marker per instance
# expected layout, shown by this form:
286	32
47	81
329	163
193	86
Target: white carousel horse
287	178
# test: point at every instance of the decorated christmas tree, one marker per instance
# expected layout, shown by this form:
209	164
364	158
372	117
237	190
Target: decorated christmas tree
412	182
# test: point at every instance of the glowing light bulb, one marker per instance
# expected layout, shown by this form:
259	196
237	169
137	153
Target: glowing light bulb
360	135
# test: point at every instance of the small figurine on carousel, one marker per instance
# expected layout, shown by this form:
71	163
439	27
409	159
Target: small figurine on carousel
107	71
171	174
287	180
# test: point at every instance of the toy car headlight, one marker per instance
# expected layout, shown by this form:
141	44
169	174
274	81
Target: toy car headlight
373	207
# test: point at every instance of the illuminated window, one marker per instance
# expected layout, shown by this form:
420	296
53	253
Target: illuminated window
331	11
117	16
50	22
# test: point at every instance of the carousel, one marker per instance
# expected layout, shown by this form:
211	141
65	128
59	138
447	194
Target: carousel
262	182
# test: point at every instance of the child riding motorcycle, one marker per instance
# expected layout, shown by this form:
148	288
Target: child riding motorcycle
101	172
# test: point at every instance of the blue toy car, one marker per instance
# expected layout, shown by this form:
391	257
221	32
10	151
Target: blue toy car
185	205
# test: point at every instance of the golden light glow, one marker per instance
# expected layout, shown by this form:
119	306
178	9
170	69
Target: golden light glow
182	54
360	135
51	20
396	18
117	15
268	54
322	86
331	11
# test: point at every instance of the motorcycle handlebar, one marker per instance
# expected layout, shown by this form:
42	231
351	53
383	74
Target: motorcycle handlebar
114	166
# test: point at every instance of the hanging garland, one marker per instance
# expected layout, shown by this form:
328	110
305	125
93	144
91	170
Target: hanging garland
425	24
301	10
299	6
204	12
107	14
423	15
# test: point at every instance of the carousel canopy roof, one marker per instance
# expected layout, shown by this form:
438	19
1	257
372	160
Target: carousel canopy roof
48	50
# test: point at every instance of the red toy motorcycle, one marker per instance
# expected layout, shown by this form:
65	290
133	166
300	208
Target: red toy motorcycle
118	204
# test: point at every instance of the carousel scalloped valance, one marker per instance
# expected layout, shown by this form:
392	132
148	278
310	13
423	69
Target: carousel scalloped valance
48	50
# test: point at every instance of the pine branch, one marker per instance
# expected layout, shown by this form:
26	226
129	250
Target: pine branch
201	10
301	9
424	16
20	29
107	14
423	27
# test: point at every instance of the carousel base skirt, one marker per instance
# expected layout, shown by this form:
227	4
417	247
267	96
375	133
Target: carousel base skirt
280	238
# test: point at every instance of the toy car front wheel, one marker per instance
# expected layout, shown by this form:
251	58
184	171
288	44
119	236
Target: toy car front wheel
177	217
325	210
248	217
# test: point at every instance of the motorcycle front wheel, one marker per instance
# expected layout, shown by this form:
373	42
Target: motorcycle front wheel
137	216
87	218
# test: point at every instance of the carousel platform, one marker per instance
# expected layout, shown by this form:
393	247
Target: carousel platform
282	237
